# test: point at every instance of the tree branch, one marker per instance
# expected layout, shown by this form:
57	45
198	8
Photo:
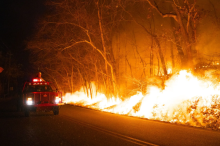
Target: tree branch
161	13
73	45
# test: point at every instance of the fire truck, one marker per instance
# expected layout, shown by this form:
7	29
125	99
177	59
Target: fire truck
40	95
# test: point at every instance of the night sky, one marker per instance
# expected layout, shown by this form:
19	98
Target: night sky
19	19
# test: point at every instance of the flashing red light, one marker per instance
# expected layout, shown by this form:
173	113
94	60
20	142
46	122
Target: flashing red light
35	80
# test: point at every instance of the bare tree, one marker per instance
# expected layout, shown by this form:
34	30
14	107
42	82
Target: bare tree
187	16
148	31
73	36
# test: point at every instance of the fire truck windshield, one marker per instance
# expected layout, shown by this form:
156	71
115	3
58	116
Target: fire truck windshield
38	88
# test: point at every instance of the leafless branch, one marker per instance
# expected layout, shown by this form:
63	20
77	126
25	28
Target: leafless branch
164	15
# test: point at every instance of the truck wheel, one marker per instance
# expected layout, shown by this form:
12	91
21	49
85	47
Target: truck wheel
56	110
27	113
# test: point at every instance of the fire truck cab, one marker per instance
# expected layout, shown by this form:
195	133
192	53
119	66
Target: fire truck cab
38	95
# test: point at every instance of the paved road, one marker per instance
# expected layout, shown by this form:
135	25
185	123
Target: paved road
82	126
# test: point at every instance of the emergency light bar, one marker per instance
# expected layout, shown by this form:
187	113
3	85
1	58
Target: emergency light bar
37	80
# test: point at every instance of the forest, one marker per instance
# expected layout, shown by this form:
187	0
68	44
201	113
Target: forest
123	46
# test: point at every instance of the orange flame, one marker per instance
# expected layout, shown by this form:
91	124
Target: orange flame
186	99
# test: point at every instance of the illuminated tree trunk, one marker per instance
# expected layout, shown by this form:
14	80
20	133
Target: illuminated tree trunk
104	54
151	61
186	41
103	45
72	81
158	66
172	56
178	45
161	56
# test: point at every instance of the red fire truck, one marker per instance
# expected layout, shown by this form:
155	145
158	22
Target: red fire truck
39	95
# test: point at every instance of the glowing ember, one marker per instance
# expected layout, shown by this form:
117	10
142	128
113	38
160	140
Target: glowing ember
185	99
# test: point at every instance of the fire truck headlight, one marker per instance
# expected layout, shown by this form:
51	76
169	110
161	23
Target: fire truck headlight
57	100
29	101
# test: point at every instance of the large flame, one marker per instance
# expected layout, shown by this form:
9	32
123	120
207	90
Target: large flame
186	99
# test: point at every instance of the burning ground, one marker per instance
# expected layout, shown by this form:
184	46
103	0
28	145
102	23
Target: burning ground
186	99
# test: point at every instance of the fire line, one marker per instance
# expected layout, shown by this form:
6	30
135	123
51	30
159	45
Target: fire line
186	99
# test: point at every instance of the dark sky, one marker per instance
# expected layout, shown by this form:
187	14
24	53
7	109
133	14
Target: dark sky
18	22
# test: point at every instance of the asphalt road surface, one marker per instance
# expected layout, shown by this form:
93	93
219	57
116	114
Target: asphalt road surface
76	126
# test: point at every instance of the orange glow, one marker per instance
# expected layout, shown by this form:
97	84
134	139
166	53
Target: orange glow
186	99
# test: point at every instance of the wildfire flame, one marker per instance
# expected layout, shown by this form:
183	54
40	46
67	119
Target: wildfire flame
186	99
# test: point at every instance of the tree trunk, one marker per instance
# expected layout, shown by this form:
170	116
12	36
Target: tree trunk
186	41
178	45
104	53
172	56
161	56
